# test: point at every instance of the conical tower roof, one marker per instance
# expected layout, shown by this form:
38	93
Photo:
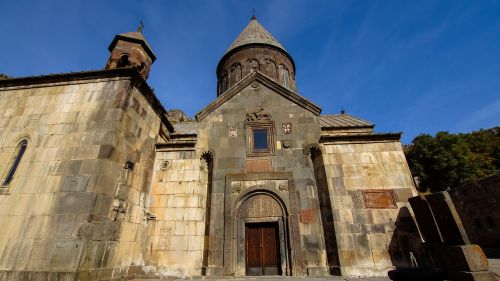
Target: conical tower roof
254	33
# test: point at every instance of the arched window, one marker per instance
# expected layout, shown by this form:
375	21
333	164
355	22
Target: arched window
270	68
253	65
20	150
234	74
123	61
285	76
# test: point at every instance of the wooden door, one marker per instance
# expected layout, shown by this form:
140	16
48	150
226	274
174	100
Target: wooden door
262	249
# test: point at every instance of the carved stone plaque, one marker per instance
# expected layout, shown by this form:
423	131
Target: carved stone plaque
164	165
379	199
287	128
258	165
233	132
258	115
164	242
259	206
308	216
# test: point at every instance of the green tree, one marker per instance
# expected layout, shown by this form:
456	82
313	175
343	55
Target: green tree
449	160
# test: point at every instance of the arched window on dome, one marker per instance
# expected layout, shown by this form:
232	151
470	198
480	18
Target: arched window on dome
285	76
253	65
16	160
270	68
235	73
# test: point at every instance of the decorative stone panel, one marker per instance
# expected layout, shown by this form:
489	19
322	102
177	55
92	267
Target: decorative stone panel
259	206
379	199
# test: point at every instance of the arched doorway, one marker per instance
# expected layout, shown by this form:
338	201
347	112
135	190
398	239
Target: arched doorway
262	235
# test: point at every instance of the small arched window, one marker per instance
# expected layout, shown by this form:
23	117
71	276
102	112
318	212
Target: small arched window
20	150
285	76
123	61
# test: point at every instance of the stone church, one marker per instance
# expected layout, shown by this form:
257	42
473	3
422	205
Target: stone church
100	182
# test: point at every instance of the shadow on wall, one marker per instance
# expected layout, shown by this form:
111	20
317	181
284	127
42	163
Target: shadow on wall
405	248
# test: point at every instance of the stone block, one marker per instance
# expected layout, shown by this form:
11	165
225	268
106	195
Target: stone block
345	242
464	258
381	258
403	194
425	219
447	219
317	271
66	255
86	152
347	257
73	202
378	241
179	243
75	183
196	243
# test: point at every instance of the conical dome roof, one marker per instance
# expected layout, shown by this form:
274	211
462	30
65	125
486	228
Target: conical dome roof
254	33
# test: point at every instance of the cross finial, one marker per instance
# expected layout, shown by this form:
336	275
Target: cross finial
141	26
253	14
342	111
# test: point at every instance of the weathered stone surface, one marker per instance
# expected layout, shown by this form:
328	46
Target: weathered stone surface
447	219
465	258
108	188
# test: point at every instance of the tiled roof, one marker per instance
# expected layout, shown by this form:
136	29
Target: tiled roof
186	128
254	33
342	121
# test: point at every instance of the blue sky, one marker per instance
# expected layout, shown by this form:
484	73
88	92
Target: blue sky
411	66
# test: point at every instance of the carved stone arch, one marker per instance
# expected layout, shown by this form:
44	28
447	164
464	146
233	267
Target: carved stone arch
270	68
259	190
284	76
123	60
207	155
311	149
18	147
224	81
235	73
259	205
253	65
14	141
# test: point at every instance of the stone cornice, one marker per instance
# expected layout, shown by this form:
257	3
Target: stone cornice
83	77
380	137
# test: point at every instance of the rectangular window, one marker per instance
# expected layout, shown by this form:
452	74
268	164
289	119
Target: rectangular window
260	140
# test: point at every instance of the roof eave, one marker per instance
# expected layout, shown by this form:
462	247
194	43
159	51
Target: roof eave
361	137
234	50
266	81
131	72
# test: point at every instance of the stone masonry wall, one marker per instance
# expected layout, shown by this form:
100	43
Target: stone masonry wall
118	230
179	191
225	133
59	209
475	203
368	186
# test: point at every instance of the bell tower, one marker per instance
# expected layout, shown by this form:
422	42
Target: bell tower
131	50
